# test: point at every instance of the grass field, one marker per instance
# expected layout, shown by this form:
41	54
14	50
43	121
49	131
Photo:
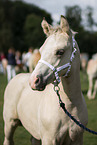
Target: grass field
22	137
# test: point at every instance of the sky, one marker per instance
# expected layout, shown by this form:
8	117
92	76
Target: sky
57	7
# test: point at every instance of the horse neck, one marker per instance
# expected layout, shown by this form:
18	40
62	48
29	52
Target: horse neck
71	84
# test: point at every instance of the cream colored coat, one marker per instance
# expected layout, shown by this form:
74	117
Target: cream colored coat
39	111
92	74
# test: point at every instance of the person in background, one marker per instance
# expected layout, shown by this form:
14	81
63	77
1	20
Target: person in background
3	62
2	56
19	64
27	57
11	64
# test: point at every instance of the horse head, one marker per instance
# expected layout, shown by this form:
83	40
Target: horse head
55	53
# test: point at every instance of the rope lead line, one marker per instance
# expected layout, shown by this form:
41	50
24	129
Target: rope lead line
62	105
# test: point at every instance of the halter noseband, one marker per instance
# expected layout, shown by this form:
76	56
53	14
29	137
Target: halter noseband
67	65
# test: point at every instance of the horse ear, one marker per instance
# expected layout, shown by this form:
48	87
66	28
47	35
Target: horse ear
64	25
47	28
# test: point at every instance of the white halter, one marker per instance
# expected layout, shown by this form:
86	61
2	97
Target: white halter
67	65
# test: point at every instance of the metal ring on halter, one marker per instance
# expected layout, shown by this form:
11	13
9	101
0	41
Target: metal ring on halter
56	88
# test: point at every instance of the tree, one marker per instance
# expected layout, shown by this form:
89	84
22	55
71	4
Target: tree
22	14
89	16
13	16
86	39
5	27
34	35
73	15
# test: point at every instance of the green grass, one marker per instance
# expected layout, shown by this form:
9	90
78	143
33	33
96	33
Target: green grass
22	137
89	139
2	87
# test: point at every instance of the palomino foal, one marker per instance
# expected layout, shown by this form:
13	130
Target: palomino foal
38	108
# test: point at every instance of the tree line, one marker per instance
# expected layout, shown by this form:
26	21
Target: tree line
20	26
87	36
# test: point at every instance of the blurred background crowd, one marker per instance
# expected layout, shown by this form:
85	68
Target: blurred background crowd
15	61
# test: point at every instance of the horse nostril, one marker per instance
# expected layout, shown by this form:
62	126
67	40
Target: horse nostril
37	81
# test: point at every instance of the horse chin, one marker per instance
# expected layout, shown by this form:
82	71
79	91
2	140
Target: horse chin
39	88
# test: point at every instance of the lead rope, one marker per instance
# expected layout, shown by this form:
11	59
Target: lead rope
62	105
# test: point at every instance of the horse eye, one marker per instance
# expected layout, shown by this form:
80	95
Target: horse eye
59	53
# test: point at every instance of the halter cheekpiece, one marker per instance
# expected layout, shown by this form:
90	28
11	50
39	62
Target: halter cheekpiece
67	65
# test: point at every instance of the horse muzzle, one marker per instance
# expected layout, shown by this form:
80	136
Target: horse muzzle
37	83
